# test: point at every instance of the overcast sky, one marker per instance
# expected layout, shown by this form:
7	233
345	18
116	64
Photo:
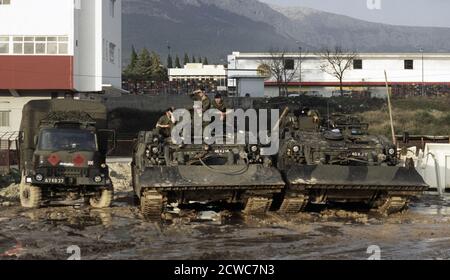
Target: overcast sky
401	12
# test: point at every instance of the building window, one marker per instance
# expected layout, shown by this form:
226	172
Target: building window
112	52
63	45
409	64
4	44
112	7
289	64
40	45
357	64
5	2
4	118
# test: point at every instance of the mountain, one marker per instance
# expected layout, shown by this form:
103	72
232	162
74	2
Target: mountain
215	28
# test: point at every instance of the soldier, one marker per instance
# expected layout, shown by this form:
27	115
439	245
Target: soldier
165	123
218	104
206	103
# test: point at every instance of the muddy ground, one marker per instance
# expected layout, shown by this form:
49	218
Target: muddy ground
121	232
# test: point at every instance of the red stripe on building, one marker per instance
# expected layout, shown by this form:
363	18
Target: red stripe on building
362	84
36	72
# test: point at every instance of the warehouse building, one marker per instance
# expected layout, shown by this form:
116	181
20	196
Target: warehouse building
214	76
365	75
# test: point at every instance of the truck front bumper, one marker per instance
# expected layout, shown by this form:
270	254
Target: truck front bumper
68	181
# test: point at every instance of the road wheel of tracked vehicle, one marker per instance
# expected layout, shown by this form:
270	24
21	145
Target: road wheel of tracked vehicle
257	205
293	205
30	196
391	205
103	199
152	206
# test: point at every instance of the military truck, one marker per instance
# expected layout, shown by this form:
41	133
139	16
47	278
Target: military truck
63	152
330	165
165	173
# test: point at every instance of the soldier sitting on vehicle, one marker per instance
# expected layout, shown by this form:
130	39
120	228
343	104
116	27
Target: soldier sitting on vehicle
219	104
165	123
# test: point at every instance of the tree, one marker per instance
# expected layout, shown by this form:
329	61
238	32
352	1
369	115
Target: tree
193	59
200	60
177	62
338	61
158	72
186	59
144	67
130	70
281	67
169	61
205	60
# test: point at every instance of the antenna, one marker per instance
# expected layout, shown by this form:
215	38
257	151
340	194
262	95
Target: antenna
388	93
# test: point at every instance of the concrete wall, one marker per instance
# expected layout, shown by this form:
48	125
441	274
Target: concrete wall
252	86
111	33
87	63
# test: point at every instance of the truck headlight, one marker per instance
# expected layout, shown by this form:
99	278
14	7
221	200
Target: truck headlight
296	149
29	180
155	150
97	179
254	149
103	165
39	177
391	151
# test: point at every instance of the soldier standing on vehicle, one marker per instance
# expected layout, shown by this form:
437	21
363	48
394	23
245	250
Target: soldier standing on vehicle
165	123
206	103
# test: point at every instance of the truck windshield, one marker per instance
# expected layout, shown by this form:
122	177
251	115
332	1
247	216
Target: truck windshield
67	139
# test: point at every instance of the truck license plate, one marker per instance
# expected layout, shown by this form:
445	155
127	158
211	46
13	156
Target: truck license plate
54	180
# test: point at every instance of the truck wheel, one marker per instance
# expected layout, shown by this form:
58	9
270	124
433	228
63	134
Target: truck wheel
30	196
103	199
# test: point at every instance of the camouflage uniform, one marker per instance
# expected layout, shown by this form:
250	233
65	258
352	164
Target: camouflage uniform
221	107
206	104
165	120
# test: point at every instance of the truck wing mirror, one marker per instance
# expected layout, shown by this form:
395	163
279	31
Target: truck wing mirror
107	141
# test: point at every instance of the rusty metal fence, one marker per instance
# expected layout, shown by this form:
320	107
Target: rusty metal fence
9	151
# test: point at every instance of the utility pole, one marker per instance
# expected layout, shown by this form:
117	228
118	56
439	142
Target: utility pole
168	48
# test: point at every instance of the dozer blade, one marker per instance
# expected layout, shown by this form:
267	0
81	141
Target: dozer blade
356	177
225	177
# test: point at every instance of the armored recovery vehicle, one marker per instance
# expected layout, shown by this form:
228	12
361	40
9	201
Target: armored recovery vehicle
165	173
342	164
63	152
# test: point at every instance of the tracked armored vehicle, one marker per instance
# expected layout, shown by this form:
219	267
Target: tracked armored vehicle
63	153
322	164
166	173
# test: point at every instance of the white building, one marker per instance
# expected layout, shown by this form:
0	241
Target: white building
366	73
50	48
200	72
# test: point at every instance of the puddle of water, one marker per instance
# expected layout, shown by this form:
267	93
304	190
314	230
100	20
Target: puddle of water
432	205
